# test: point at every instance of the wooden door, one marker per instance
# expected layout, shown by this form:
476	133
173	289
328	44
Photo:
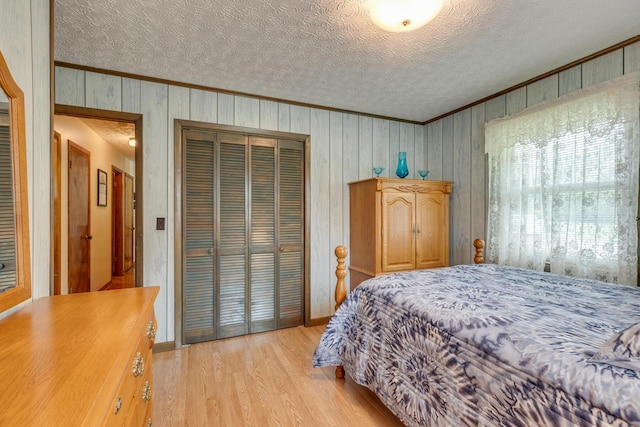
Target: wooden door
79	220
432	225
117	228
129	226
398	225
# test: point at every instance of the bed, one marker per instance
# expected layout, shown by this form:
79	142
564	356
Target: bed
489	345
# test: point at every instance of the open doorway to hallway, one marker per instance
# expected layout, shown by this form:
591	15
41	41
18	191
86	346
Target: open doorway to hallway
107	193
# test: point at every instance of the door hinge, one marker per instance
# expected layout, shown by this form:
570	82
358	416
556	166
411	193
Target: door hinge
69	164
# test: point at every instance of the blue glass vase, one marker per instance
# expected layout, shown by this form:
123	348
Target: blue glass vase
402	169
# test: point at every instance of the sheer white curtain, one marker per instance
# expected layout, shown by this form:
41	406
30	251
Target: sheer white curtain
563	184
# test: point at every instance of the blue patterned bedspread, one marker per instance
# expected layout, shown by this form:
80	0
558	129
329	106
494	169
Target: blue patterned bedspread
488	345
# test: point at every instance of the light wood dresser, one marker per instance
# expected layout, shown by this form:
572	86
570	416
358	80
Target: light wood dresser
79	360
397	225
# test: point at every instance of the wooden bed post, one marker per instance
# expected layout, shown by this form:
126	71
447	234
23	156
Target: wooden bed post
341	290
479	257
341	273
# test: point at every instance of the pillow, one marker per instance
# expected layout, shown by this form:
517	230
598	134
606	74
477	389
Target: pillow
622	347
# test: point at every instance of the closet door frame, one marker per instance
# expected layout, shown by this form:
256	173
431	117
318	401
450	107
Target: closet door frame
180	203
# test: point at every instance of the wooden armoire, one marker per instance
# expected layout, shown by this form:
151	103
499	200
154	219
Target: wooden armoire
397	225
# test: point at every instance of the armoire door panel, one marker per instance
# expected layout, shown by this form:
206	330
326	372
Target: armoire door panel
431	230
398	224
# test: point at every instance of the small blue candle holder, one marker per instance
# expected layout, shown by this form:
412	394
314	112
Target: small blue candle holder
423	173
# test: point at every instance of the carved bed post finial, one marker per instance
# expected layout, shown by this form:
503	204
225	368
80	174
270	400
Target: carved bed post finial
341	290
479	257
341	273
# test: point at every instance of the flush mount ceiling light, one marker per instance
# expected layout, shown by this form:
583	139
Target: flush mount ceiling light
403	15
132	142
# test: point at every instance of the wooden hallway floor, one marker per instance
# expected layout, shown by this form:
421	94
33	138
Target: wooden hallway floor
128	280
259	380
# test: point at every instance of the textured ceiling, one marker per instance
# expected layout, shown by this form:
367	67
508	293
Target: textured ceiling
328	53
115	133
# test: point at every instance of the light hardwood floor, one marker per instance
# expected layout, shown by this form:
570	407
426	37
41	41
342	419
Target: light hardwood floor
259	380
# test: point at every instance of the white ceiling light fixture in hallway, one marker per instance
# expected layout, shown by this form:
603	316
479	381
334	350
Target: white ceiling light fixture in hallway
403	15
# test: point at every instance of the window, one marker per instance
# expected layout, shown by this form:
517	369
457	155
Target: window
563	184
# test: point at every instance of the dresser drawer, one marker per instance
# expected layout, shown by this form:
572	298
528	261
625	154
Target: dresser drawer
129	406
142	403
133	373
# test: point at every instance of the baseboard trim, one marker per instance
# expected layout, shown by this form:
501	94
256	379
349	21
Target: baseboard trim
162	347
320	321
106	286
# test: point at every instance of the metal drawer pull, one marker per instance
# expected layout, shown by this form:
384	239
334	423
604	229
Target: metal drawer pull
146	393
151	330
149	423
118	404
138	365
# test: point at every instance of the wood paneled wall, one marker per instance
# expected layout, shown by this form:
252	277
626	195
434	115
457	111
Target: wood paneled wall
343	149
455	144
24	42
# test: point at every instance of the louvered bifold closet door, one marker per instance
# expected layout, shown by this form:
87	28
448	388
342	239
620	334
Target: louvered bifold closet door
263	234
244	234
232	286
291	232
7	228
199	237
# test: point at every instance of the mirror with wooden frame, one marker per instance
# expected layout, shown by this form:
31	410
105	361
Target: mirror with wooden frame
15	267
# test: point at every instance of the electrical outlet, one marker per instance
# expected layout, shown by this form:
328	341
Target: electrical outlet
160	223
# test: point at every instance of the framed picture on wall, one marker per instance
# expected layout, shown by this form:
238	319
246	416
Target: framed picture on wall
102	188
